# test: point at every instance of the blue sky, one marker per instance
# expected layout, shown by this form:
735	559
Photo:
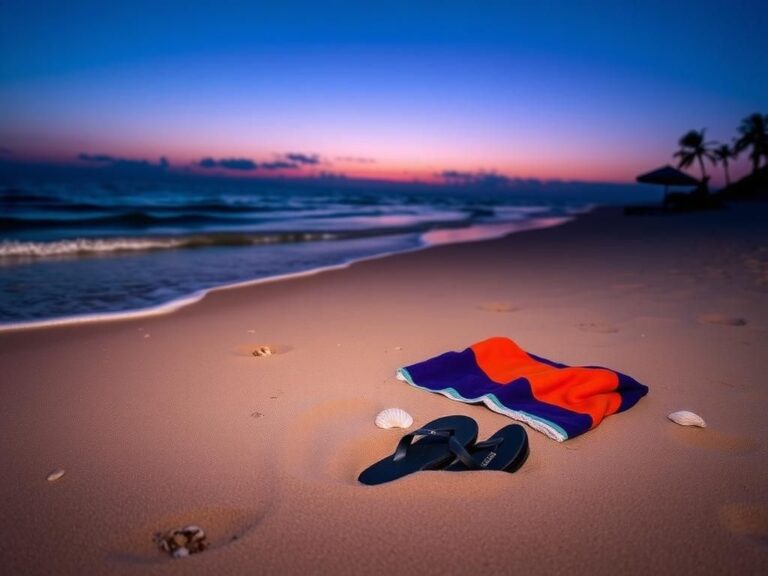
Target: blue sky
570	90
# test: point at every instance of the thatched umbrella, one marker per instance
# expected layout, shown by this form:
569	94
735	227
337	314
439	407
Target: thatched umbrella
667	176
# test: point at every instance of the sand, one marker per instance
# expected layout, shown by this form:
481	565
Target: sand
169	420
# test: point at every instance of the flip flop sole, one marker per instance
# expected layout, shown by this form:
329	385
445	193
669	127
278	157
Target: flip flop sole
429	453
508	451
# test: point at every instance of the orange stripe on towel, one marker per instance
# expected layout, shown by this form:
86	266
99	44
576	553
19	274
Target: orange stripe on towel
584	390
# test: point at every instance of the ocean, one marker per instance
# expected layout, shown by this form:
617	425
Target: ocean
71	250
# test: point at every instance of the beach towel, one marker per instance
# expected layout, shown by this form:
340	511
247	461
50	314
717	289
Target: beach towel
558	400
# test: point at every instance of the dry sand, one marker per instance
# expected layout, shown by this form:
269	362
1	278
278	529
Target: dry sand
169	420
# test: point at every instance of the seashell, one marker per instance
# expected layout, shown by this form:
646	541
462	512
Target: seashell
181	542
263	351
179	539
162	543
56	475
393	418
686	418
194	533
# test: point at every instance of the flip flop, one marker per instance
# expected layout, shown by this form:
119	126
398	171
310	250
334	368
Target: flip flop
440	440
506	450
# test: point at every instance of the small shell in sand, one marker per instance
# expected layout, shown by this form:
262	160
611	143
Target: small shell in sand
263	351
181	542
393	418
685	418
56	475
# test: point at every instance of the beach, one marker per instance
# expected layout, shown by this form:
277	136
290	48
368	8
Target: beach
170	420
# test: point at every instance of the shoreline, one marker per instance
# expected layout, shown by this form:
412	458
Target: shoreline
454	236
170	420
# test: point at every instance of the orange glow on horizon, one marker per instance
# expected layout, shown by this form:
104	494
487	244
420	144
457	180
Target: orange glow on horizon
380	167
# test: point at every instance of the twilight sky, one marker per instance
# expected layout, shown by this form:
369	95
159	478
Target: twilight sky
395	90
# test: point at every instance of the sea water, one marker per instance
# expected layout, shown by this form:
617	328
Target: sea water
77	249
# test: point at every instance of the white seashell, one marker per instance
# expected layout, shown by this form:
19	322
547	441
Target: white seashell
685	418
263	351
56	475
180	553
393	418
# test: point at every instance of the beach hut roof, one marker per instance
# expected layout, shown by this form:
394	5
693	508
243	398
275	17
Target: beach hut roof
667	176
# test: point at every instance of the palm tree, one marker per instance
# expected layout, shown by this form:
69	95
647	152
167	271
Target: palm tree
723	153
693	147
754	134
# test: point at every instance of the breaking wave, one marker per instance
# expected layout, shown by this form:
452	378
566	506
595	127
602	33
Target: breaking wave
15	249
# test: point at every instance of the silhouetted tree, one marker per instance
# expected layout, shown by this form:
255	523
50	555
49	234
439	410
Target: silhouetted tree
723	153
693	147
753	134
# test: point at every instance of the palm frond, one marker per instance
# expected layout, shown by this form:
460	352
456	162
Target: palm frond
685	161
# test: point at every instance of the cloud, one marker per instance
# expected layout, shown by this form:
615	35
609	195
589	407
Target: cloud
286	162
207	163
131	164
454	175
299	158
279	165
356	159
238	164
244	164
480	178
101	158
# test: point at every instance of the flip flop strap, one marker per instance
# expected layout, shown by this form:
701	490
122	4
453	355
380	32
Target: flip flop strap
405	441
464	455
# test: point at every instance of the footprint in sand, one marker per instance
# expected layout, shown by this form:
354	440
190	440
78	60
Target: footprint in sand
597	327
222	526
249	349
498	307
710	439
333	441
747	520
722	320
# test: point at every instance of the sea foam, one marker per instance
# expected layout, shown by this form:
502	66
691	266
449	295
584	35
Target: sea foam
19	249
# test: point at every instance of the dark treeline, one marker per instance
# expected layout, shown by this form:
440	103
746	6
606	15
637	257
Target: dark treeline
752	137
